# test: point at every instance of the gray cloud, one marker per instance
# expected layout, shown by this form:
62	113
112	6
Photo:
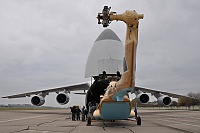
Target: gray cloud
45	44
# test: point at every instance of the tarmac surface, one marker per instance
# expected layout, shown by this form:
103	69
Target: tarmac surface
59	121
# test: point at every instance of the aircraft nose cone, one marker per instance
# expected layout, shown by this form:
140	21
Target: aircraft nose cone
108	34
106	55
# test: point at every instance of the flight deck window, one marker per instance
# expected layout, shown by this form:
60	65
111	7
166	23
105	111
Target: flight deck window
124	65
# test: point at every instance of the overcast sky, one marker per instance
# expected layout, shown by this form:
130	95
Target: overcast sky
45	44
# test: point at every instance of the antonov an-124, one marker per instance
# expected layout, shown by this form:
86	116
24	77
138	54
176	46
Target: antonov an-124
112	67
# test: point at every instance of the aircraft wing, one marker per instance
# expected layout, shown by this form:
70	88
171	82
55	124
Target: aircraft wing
147	90
82	86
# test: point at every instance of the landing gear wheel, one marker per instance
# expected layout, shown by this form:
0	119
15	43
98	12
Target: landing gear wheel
139	120
89	121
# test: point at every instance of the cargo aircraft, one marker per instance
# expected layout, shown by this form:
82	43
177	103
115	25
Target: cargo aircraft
112	67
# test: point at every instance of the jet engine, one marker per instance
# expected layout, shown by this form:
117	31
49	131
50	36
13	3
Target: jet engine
37	100
142	98
62	98
164	100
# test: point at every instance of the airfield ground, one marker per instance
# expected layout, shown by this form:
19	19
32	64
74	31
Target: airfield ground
58	121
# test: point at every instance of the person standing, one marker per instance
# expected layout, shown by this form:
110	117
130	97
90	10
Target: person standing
78	113
86	113
73	111
83	113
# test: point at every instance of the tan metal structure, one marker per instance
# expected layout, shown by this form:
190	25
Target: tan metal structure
131	18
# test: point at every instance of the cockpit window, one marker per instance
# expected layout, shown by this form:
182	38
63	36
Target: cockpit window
124	65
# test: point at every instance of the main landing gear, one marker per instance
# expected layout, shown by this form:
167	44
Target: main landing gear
89	121
139	120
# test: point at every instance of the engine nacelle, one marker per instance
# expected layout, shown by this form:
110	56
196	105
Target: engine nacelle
62	98
164	100
142	98
37	100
